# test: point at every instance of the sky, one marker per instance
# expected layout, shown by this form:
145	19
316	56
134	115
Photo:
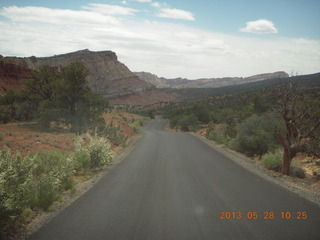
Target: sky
176	38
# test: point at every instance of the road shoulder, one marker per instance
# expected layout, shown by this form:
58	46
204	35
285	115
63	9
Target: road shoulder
305	190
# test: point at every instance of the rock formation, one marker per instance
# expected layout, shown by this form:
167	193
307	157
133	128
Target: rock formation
107	75
13	71
179	83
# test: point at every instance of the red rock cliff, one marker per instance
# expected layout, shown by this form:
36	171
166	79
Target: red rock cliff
13	71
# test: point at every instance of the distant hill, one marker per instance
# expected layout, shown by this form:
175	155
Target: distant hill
180	83
309	82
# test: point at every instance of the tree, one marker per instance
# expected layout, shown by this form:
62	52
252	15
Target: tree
300	124
63	97
83	108
7	107
201	111
44	84
44	87
75	87
189	122
254	136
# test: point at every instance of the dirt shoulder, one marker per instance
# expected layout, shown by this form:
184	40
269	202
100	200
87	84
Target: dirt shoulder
306	188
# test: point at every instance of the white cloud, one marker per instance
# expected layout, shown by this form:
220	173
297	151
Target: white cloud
142	1
165	49
109	9
55	16
156	4
175	14
261	26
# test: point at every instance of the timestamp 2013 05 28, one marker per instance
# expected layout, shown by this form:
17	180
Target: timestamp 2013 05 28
267	215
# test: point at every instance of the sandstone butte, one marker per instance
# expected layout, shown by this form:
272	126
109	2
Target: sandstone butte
107	76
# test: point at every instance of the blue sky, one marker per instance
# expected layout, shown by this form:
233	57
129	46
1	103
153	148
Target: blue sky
175	38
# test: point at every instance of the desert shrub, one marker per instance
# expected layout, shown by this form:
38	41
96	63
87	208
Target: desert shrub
13	176
44	190
256	135
33	181
92	153
217	133
272	161
136	126
297	172
82	161
188	123
115	135
50	173
58	164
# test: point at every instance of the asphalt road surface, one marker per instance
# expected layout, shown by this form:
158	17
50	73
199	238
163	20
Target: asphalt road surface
174	186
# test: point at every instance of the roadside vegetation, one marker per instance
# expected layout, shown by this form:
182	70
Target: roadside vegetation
54	134
272	125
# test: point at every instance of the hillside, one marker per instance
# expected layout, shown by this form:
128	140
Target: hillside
181	83
107	75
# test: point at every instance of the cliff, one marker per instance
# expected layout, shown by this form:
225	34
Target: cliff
107	75
180	83
13	71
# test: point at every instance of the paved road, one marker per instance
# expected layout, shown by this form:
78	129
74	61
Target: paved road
173	186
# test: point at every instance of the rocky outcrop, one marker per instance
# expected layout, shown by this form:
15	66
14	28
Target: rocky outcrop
107	75
13	71
205	83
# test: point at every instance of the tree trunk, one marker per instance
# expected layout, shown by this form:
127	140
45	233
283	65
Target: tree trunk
286	161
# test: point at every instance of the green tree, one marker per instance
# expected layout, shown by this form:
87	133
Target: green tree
63	97
7	107
38	93
45	84
189	123
301	122
201	111
256	136
75	88
82	107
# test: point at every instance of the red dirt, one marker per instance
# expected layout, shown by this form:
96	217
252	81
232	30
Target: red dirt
28	138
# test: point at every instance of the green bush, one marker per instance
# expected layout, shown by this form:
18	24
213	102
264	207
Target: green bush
59	164
32	182
222	134
44	190
115	135
272	161
136	126
217	134
36	180
49	174
188	123
82	161
13	176
93	152
256	135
